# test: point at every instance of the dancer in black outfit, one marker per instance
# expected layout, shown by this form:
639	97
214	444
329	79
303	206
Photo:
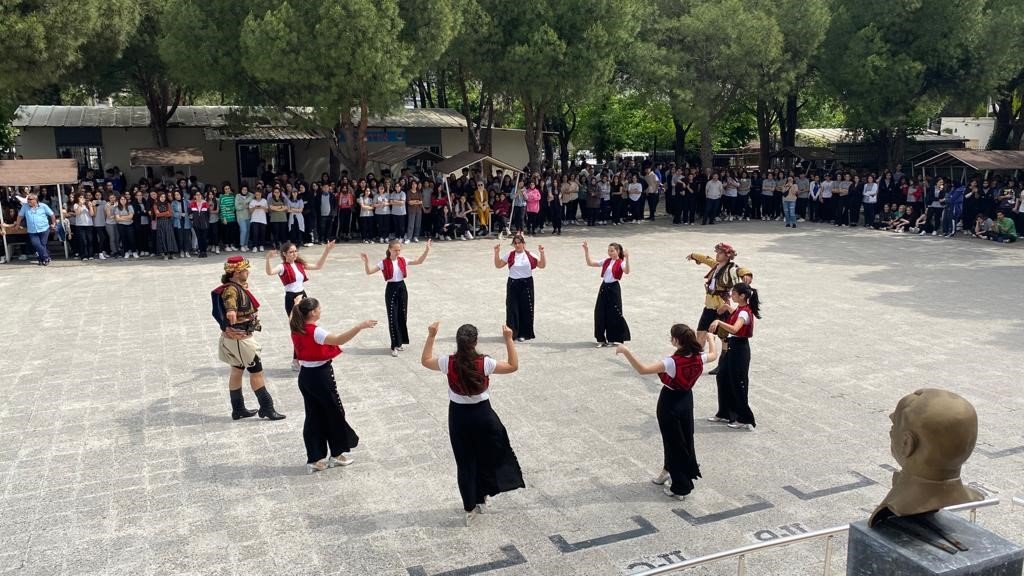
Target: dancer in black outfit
519	294
678	372
292	272
486	464
396	297
325	431
734	376
610	326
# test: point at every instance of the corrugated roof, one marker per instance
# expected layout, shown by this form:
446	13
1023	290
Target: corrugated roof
397	154
204	117
833	135
264	133
165	157
38	172
466	159
979	159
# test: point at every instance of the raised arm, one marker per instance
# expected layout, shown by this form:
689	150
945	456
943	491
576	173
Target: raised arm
512	363
653	368
366	265
323	257
339	339
498	262
266	262
543	261
586	254
423	256
427	358
625	261
702	259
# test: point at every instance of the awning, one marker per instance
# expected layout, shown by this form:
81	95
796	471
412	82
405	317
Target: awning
399	154
467	159
38	172
264	133
165	157
979	160
806	153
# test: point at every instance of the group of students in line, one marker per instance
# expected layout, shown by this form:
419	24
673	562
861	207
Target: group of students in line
486	463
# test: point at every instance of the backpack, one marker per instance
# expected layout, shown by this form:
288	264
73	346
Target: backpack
218	312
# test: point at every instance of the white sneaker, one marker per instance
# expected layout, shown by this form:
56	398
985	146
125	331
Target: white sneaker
661	478
316	467
341	460
717	419
738	426
668	492
800	220
406	241
245	248
471	516
188	254
394	352
416	240
308	244
935	233
217	250
102	256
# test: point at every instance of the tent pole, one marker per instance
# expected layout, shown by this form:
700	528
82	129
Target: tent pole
60	216
515	189
7	254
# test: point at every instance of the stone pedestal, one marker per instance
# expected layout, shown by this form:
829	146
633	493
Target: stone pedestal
886	551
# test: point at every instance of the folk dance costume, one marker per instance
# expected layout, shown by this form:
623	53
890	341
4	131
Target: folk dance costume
293	276
609	323
396	299
675	419
734	373
519	295
486	464
325	431
718	283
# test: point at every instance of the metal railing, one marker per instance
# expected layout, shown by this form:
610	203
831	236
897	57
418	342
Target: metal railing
828	534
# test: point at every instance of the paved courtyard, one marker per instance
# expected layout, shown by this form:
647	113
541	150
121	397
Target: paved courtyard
118	456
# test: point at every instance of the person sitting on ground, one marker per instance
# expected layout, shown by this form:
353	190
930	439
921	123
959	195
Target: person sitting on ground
982	226
883	220
1003	229
905	220
500	212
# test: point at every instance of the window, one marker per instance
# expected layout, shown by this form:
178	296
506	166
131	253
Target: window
257	160
88	158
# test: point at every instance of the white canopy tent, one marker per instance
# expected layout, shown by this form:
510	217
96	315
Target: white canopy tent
58	171
466	159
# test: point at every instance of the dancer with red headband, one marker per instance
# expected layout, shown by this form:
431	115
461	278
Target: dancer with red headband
396	297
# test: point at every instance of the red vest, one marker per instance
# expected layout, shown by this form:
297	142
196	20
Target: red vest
616	268
512	259
453	377
389	268
688	370
288	276
308	350
747	330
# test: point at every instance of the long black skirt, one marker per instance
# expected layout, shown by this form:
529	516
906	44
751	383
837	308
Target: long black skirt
519	307
325	427
396	300
486	464
609	323
675	419
733	382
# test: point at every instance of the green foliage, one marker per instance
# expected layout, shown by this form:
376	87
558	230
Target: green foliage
624	122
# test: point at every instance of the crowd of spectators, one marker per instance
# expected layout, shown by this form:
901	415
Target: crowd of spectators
177	216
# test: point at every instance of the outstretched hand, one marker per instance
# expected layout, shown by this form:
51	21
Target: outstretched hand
367	324
364	258
585	246
540	247
330	244
497	247
271	253
621	349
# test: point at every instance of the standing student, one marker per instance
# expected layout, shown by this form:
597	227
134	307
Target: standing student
199	214
366	206
396	298
124	215
486	464
296	217
166	245
610	327
278	205
229	226
325	432
678	373
519	294
397	200
382	211
258	208
414	222
734	376
242	216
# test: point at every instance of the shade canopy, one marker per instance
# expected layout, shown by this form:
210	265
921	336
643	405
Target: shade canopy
165	157
38	172
399	154
467	159
979	160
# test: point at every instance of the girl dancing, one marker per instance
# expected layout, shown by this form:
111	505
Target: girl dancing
395	269
610	326
519	288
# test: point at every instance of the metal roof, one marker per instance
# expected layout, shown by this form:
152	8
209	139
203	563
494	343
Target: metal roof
834	135
38	172
165	157
979	159
806	153
397	154
467	159
264	133
205	117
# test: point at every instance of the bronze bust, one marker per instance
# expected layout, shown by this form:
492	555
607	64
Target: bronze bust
933	433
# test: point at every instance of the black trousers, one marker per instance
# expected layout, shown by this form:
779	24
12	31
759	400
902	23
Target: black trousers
366	227
675	420
519	307
325	430
383	222
652	204
609	323
126	236
555	213
733	383
486	464
257	234
396	299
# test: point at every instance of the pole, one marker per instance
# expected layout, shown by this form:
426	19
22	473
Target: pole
60	215
515	189
7	254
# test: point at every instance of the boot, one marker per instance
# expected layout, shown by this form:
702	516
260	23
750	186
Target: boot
267	405
238	409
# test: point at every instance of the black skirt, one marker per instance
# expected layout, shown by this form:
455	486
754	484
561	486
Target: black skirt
675	419
609	323
486	464
396	301
519	307
734	383
325	431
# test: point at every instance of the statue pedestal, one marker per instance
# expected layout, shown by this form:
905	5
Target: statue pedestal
887	551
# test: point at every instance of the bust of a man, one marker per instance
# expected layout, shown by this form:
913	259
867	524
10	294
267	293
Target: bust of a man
933	433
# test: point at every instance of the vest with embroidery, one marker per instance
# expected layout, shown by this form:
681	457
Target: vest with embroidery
688	370
616	268
512	259
288	276
453	377
389	268
747	331
307	350
724	279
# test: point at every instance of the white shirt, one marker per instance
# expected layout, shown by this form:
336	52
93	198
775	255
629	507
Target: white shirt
871	193
826	189
520	267
490	364
294	286
713	189
258	216
634	189
669	364
397	276
608	275
319	336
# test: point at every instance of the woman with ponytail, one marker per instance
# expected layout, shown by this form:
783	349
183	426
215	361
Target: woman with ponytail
396	297
325	432
292	272
486	464
678	373
519	288
610	326
733	374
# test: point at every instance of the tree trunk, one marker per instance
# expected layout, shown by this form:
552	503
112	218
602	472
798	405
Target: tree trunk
442	89
706	152
472	134
353	150
765	123
424	91
679	143
485	124
790	120
534	128
1000	138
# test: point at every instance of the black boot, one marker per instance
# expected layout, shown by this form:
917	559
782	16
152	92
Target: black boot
238	409
267	405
